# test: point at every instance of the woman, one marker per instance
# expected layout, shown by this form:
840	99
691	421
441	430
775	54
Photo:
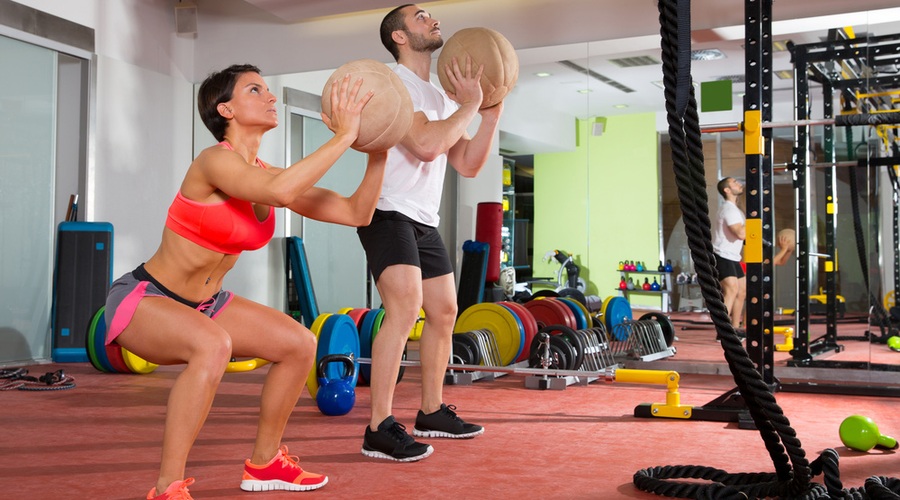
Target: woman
172	309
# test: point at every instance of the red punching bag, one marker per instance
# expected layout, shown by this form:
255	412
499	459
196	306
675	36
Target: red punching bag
488	225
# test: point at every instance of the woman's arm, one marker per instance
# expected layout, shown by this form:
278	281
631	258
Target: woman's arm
357	209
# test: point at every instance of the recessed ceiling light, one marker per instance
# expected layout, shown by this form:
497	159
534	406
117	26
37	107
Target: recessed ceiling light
542	74
620	106
584	91
707	55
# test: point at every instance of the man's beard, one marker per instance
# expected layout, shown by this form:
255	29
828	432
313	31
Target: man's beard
419	43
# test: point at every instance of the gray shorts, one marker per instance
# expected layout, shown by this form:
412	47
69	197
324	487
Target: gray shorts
126	292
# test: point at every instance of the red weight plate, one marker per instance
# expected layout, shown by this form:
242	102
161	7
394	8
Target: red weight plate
548	311
530	324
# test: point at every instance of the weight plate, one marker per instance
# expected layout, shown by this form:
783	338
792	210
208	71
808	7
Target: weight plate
544	293
357	314
472	344
136	363
376	326
245	365
416	332
581	319
521	330
665	324
587	314
339	336
569	350
462	351
550	312
500	321
114	355
365	342
616	310
344	310
573	293
311	382
530	327
92	342
571	337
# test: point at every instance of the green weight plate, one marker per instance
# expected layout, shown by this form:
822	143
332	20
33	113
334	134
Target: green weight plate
500	321
376	326
338	336
549	311
97	356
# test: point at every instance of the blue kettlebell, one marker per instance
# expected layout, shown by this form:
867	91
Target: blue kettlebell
336	397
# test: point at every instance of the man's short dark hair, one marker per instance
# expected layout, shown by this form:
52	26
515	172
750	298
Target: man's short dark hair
392	22
722	185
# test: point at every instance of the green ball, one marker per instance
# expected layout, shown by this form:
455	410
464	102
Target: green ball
894	343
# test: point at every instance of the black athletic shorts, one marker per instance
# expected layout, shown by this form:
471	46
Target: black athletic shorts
393	238
728	268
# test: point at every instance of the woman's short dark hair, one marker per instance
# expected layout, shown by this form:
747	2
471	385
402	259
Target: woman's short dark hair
392	22
216	89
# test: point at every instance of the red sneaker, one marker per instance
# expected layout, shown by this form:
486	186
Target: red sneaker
281	473
176	491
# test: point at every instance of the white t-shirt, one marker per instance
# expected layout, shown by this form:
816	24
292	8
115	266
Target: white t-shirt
413	187
726	243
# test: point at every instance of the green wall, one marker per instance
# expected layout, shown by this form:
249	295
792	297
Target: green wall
601	203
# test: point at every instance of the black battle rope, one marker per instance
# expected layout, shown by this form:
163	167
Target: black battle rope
878	311
18	378
779	438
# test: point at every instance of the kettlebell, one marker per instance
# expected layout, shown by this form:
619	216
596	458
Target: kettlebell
668	266
860	433
639	267
336	396
654	286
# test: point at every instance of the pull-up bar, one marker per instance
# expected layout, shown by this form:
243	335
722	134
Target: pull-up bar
840	120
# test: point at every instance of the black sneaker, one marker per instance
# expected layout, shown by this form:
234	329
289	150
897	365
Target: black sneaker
391	442
445	424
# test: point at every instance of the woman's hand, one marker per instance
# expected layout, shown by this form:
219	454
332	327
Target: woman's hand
346	108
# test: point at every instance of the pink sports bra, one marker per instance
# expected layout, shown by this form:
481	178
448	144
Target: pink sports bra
229	227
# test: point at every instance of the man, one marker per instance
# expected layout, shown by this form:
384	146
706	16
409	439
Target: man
727	245
404	250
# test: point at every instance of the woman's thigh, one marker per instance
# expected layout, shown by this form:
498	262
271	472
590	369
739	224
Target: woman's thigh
263	332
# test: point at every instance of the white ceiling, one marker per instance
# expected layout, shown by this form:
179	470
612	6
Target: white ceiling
587	32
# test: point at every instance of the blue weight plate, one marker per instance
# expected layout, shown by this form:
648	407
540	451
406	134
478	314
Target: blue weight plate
365	343
581	322
521	330
618	311
339	336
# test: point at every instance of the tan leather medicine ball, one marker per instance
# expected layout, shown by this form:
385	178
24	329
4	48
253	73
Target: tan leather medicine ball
387	116
484	46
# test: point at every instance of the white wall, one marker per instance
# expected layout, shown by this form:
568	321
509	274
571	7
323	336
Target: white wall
146	134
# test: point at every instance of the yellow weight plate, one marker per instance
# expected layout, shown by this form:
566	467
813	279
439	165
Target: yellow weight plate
416	332
500	321
312	383
136	363
344	310
245	365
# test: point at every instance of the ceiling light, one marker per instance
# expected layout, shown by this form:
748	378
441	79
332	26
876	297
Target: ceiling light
620	106
584	91
542	74
707	55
